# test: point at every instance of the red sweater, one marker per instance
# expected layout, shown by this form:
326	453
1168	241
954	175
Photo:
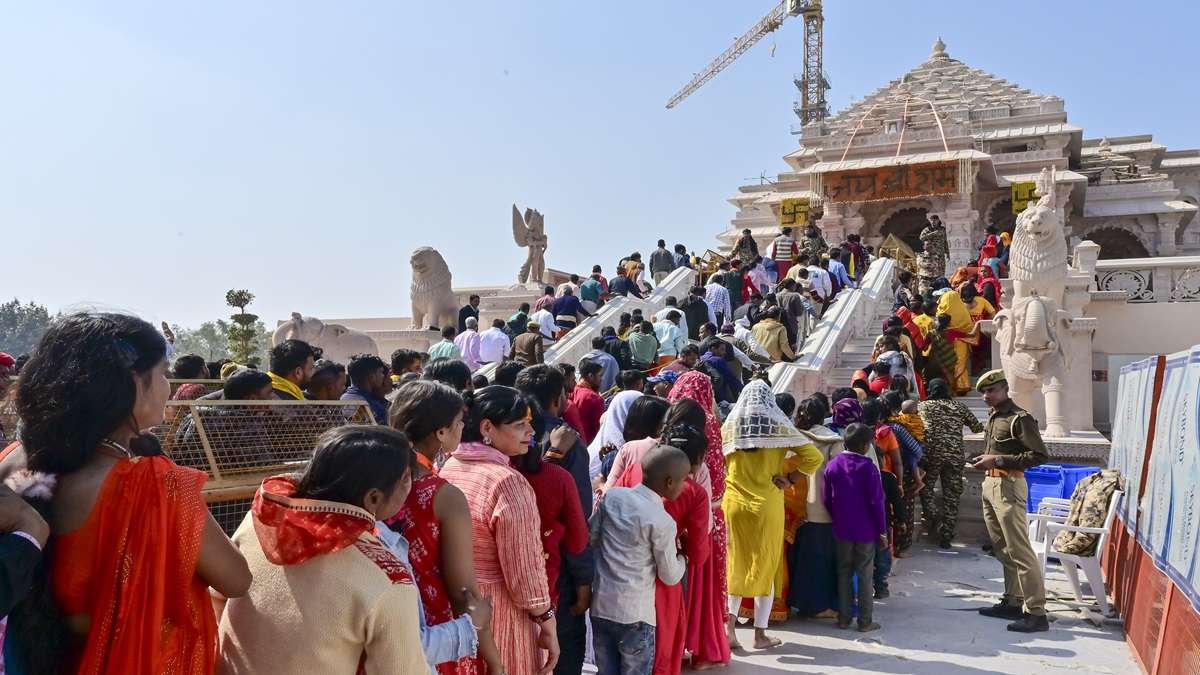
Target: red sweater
563	525
588	407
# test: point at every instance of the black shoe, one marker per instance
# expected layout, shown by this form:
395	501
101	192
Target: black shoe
944	542
881	593
1002	610
1030	624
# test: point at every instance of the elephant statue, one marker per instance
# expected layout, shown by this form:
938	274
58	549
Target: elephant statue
337	342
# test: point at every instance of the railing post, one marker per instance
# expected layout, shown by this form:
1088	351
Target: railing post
208	451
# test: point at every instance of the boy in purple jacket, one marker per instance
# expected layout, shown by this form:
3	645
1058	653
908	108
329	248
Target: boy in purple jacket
854	497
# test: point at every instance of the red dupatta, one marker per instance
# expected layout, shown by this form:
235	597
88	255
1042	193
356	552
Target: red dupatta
697	386
292	530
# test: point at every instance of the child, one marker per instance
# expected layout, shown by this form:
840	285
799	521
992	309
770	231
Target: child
634	542
854	498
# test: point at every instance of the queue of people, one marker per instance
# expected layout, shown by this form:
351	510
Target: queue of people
674	491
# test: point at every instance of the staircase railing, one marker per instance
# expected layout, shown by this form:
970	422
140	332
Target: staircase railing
848	317
574	345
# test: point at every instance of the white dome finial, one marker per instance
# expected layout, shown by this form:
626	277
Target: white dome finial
939	50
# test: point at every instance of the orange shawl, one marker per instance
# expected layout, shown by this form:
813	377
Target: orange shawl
132	569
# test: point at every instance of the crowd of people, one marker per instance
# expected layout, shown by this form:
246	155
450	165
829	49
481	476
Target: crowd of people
674	492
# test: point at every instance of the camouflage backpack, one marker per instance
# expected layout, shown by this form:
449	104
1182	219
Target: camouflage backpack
1089	508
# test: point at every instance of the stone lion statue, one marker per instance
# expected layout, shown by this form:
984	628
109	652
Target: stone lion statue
433	302
337	342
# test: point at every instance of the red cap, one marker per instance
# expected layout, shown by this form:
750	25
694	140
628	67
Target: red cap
7	360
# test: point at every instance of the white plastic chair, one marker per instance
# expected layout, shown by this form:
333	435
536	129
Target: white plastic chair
1090	564
1050	510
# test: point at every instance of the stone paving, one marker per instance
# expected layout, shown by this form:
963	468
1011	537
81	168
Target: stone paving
930	627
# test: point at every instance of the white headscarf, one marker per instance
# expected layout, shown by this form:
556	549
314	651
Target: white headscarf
757	422
612	428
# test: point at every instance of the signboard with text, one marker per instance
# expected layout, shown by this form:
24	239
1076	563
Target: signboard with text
891	182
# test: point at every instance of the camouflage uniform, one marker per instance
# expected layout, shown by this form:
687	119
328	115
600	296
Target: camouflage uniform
937	250
944	459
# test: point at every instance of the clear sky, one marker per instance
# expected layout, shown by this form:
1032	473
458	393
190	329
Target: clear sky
154	155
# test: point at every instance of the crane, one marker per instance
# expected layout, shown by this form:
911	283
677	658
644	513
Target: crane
812	83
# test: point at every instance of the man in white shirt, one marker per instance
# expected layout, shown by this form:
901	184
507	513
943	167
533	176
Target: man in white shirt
822	285
633	538
673	306
671	339
545	321
494	345
468	343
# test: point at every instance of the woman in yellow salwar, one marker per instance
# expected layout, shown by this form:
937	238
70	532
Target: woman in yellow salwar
758	441
962	335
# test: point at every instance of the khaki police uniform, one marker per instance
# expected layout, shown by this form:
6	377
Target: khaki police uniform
1012	433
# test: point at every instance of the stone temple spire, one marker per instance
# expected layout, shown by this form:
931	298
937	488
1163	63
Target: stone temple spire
939	50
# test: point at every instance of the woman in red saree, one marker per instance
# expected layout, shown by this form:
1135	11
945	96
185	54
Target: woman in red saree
706	590
693	516
135	549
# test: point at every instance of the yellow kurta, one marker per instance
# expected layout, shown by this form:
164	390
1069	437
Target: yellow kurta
754	514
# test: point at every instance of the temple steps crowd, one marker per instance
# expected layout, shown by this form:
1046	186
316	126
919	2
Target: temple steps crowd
674	491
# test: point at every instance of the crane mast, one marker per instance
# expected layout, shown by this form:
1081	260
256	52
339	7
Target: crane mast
812	83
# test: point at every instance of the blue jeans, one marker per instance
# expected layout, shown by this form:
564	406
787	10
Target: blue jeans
622	648
883	566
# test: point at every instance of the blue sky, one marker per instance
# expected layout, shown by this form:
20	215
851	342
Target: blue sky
155	155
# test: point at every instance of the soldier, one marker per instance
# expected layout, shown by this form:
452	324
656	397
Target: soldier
944	419
1012	444
937	249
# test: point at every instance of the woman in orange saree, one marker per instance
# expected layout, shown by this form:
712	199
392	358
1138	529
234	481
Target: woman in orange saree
133	548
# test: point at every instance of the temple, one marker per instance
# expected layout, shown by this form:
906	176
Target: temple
955	141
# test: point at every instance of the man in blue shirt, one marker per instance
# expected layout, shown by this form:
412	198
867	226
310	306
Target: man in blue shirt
838	271
369	381
608	377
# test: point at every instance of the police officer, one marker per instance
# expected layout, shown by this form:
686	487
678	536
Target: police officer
1012	444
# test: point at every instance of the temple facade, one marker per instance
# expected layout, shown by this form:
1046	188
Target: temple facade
954	141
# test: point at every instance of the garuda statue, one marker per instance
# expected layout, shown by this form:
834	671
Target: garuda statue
529	232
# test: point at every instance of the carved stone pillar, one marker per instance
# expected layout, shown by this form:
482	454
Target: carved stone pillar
852	222
832	224
962	228
1168	223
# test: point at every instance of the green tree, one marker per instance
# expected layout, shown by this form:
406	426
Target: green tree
210	340
21	326
245	332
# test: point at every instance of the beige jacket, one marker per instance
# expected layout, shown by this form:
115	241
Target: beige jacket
322	615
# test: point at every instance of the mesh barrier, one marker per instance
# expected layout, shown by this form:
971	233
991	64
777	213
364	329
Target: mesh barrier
237	437
201	386
229	514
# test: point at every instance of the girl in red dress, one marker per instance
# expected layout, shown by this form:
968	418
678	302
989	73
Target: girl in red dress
435	520
693	518
707	589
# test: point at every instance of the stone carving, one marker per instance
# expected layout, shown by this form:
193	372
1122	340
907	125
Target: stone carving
433	301
337	342
1031	349
529	232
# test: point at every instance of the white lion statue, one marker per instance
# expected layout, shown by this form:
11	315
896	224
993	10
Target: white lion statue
337	342
433	302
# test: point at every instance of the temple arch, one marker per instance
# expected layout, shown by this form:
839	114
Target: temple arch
906	223
1117	243
1000	214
